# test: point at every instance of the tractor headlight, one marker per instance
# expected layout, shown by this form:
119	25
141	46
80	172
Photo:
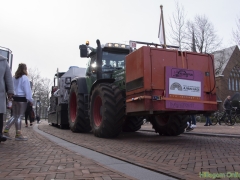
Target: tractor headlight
94	64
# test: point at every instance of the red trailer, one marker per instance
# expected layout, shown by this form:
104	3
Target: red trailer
168	85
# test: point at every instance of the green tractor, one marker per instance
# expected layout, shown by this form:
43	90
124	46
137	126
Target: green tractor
124	86
97	101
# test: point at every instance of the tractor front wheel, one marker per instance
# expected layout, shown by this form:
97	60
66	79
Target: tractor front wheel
106	110
78	122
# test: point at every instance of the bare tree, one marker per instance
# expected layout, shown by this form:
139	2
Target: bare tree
190	42
43	95
220	59
177	25
236	34
40	89
35	78
201	32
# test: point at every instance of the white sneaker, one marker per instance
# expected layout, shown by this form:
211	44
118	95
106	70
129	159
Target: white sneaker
20	137
193	126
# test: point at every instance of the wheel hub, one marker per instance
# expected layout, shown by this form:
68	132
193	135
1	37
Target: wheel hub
97	111
73	107
161	120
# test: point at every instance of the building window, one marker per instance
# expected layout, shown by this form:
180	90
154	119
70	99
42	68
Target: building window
236	85
229	84
233	85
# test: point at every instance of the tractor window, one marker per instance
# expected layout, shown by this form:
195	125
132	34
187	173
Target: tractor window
8	55
113	60
104	62
113	63
4	53
121	64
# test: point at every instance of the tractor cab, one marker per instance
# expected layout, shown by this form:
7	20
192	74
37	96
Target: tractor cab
111	58
7	53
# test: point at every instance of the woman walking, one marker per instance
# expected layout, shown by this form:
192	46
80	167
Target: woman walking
22	95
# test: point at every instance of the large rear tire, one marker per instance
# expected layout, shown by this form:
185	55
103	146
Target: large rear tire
78	122
107	110
132	124
169	125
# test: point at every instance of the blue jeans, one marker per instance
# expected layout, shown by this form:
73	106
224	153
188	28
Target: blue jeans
208	121
193	119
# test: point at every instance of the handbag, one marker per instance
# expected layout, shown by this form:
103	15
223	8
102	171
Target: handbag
32	115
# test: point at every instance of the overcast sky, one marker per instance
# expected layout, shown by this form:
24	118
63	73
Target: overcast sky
46	34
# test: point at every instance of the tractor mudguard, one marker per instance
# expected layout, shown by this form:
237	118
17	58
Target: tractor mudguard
101	81
82	85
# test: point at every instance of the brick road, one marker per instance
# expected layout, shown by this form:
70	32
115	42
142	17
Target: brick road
183	156
40	159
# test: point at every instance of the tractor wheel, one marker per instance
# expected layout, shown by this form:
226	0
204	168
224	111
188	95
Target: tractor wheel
107	110
77	120
64	126
132	124
169	125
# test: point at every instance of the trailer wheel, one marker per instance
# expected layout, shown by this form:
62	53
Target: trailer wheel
107	111
77	120
132	124
169	125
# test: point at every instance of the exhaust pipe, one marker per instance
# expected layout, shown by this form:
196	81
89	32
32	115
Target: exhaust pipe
99	60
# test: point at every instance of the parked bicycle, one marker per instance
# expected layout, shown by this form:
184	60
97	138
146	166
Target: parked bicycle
223	117
215	117
231	119
198	118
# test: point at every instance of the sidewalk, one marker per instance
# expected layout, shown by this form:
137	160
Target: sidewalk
41	159
181	156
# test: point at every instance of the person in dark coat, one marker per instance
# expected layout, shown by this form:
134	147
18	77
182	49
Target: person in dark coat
28	115
6	88
227	104
37	118
228	109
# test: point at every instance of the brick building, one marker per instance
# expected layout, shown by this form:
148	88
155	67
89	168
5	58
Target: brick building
227	69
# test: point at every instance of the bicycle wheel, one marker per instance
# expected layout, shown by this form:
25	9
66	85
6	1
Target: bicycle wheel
198	119
214	119
227	121
237	119
220	115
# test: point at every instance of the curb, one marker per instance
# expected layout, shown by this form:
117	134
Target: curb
203	134
216	135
